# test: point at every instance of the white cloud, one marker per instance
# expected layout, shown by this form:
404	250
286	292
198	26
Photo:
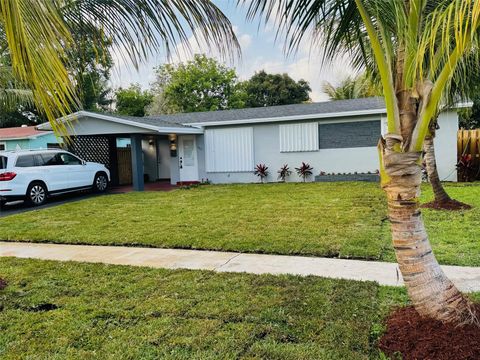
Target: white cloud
245	40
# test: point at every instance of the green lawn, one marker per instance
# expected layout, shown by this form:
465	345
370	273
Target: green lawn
322	219
53	310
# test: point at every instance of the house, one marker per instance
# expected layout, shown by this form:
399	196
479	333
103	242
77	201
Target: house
26	137
224	146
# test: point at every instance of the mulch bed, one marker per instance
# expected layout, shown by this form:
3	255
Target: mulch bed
452	205
418	338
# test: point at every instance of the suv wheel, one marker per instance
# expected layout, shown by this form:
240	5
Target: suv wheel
100	183
37	194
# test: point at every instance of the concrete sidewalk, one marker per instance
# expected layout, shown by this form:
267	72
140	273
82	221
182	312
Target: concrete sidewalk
466	278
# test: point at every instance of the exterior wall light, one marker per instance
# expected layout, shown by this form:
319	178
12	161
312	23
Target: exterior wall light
173	144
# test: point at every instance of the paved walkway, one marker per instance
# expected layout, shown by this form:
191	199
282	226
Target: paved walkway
466	278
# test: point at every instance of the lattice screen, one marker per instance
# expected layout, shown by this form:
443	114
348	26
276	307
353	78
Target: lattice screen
92	148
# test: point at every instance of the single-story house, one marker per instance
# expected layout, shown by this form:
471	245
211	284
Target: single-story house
224	146
26	138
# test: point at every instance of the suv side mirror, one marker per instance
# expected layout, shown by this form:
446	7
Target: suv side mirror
84	162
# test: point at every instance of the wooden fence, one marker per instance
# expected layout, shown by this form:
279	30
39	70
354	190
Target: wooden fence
468	152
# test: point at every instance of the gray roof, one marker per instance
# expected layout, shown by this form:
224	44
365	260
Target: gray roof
337	106
159	121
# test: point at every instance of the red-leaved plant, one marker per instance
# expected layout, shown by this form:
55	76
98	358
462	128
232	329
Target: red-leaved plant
261	170
466	168
284	172
304	171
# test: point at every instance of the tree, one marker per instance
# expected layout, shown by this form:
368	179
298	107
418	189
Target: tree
132	100
470	118
415	46
361	86
89	63
16	100
201	84
38	37
264	89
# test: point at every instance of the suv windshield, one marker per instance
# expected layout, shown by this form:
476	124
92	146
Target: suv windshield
3	162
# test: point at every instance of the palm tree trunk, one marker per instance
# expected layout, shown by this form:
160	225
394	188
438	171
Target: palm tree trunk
441	195
432	293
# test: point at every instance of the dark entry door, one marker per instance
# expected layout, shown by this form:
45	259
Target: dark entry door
124	156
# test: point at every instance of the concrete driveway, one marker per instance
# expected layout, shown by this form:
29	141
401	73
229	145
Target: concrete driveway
18	207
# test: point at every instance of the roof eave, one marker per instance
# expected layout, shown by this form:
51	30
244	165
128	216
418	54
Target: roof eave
25	137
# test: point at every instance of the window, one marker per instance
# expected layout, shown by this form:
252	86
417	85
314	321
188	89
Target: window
54	146
3	162
229	150
299	137
50	159
25	161
3	146
68	159
350	134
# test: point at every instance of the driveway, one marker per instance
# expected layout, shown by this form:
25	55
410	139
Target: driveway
17	207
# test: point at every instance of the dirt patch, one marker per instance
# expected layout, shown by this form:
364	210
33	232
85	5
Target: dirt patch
3	284
452	205
415	337
43	307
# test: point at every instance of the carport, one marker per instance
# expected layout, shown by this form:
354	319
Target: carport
136	149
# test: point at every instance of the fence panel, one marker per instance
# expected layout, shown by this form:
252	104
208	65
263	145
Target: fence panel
468	152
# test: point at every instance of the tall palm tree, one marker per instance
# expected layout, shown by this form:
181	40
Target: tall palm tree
416	46
37	37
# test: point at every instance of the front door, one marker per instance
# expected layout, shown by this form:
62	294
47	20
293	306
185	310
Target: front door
187	158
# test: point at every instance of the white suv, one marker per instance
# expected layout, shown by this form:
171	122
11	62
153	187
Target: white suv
33	175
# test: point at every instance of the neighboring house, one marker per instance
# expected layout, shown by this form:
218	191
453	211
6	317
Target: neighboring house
224	146
26	138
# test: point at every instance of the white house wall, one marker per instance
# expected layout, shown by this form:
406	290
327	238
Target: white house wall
266	138
446	146
267	151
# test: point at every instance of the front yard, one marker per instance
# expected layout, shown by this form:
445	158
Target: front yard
346	220
53	310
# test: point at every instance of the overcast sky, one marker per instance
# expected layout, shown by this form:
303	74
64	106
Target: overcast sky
259	51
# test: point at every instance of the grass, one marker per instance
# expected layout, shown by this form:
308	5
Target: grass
53	310
346	220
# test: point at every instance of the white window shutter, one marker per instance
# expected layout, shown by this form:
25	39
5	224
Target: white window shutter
299	137
229	149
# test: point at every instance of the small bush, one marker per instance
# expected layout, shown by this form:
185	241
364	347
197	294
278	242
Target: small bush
304	171
261	170
284	172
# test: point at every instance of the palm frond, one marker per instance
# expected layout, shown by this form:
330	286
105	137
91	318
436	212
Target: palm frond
139	28
37	36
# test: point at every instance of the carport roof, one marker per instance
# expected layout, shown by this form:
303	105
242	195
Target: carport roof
159	125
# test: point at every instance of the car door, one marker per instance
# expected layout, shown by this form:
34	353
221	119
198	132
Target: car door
55	172
80	175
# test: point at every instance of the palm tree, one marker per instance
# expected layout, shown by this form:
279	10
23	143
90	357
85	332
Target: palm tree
361	86
37	36
415	46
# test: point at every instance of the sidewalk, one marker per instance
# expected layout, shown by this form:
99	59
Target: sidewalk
466	278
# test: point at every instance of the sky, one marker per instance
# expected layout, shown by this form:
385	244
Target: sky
260	51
